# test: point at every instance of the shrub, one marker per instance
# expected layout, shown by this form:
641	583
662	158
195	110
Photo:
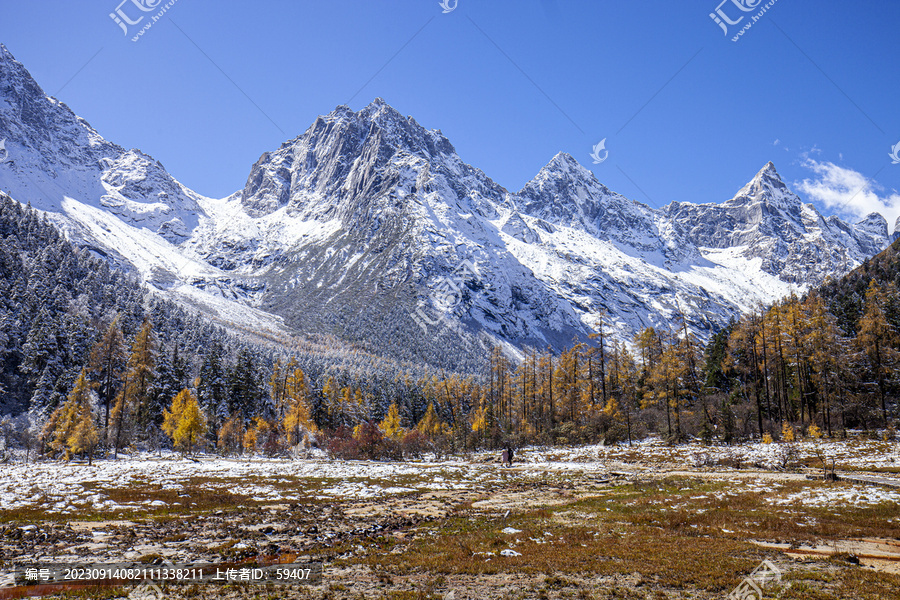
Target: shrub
565	434
414	444
342	444
365	442
767	438
371	442
787	432
616	434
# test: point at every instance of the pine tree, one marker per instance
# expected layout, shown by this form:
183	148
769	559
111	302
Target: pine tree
141	372
132	404
431	424
107	363
827	347
331	398
172	415
629	388
250	438
121	422
276	388
191	427
480	422
84	438
42	360
245	392
230	437
212	388
170	378
299	406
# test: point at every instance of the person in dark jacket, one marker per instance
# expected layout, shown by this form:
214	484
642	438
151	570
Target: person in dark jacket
507	457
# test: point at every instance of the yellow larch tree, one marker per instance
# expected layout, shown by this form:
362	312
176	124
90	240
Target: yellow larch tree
431	425
184	422
70	427
391	426
297	401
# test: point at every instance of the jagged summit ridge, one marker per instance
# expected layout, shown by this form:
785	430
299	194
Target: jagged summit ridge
349	157
54	155
566	193
767	221
768	187
354	226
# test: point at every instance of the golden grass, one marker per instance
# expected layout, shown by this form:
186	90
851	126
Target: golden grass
661	530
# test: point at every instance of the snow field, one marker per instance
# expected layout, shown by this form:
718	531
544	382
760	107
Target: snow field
63	488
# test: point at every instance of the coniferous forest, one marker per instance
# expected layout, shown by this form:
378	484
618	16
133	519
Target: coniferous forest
91	362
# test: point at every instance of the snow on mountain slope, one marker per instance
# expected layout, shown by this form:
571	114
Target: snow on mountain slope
121	203
794	242
370	228
549	262
564	193
52	153
170	270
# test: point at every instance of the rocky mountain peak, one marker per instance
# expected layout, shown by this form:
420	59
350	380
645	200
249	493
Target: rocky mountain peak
16	83
346	155
5	54
875	225
378	209
565	193
565	162
767	187
54	154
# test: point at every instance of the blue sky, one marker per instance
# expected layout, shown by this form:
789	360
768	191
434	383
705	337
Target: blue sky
687	113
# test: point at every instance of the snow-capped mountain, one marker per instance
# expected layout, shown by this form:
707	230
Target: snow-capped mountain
768	222
372	228
52	153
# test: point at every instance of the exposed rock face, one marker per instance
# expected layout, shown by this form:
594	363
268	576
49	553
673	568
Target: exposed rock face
52	154
372	228
766	221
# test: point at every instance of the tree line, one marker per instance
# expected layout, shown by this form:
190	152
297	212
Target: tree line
776	369
98	363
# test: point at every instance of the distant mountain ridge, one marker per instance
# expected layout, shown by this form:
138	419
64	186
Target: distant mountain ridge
371	228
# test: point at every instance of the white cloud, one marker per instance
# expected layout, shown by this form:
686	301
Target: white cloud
847	191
